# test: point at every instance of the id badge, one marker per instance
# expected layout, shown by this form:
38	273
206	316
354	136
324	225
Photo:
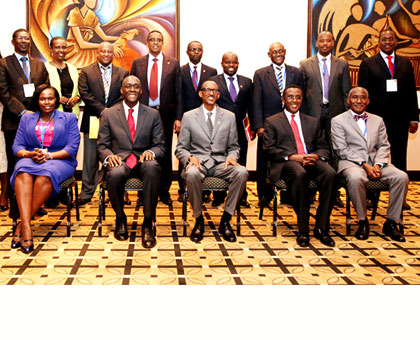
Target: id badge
391	85
29	89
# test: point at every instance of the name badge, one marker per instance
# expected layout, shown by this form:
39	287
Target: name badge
391	85
29	89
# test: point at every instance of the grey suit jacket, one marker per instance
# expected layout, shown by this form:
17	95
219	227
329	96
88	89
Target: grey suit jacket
352	147
194	137
114	134
339	86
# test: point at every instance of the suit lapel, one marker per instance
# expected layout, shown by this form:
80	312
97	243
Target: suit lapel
397	62
333	71
272	78
124	123
352	122
31	127
99	81
166	64
18	67
140	119
202	121
381	63
285	122
203	75
223	87
58	123
315	70
305	132
186	74
217	121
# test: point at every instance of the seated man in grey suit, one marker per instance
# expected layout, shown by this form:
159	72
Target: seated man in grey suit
360	141
130	141
208	146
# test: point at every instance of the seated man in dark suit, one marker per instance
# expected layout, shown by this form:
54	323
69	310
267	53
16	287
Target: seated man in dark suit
208	146
360	140
130	141
298	151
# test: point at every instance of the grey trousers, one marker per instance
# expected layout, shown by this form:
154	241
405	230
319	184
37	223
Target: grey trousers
90	167
236	175
357	178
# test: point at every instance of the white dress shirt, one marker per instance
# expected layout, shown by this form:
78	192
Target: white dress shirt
299	125
159	57
213	115
321	71
18	56
385	58
135	112
198	70
361	123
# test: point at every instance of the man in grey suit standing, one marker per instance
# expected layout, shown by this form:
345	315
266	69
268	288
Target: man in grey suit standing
99	87
360	141
208	146
326	84
130	141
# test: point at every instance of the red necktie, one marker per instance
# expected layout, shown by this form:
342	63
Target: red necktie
153	91
195	78
390	65
131	160
299	144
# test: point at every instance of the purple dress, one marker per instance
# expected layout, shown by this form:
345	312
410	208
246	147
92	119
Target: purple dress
66	137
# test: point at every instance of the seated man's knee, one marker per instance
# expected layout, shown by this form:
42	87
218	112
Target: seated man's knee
116	174
241	172
402	177
356	177
151	168
192	173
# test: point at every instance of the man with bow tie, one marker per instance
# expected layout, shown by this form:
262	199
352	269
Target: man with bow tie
360	141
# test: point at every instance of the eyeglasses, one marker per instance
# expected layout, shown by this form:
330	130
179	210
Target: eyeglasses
207	90
155	40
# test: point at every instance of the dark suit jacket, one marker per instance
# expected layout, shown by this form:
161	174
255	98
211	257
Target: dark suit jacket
191	99
170	87
91	88
400	106
339	86
243	103
114	134
279	141
266	95
12	96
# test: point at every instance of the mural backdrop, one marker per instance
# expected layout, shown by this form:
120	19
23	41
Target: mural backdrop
86	23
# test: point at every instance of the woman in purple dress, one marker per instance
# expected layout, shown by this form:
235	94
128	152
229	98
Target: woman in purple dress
46	146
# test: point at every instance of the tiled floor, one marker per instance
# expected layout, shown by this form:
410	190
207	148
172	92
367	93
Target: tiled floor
257	258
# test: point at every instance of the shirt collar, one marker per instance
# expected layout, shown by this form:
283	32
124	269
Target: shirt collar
355	114
276	67
289	114
213	112
320	57
385	56
192	65
235	76
126	107
159	57
100	66
18	56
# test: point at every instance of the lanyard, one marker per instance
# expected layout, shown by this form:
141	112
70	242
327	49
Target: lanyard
324	68
43	128
194	77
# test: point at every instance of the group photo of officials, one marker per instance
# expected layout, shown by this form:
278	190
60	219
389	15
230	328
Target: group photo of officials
311	124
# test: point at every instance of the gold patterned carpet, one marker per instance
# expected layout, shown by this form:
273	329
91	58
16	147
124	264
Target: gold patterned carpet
257	258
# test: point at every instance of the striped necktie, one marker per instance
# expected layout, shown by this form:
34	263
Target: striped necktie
106	81
280	80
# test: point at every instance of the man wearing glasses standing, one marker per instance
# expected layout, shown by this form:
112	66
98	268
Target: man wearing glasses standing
160	77
208	146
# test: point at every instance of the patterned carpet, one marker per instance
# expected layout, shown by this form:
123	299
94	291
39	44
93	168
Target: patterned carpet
257	258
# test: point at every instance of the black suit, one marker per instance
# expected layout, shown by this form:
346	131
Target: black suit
396	108
266	102
279	143
191	100
115	139
91	88
12	79
170	107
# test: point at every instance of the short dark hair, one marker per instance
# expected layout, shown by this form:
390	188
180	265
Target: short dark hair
55	39
192	42
15	33
154	31
35	98
293	86
387	30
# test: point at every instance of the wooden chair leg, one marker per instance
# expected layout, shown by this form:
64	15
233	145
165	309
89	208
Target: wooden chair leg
69	196
238	219
100	212
375	204
76	203
184	211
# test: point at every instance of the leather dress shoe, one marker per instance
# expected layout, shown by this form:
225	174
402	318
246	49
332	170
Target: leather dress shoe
391	229
166	199
198	231
244	203
226	231
324	237
406	206
362	232
121	232
83	201
148	239
303	239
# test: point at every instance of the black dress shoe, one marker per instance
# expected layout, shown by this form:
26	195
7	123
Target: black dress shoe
362	232
166	199
41	212
245	203
324	237
83	201
338	202
148	239
391	229
303	239
27	249
406	206
121	232
226	231
198	231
